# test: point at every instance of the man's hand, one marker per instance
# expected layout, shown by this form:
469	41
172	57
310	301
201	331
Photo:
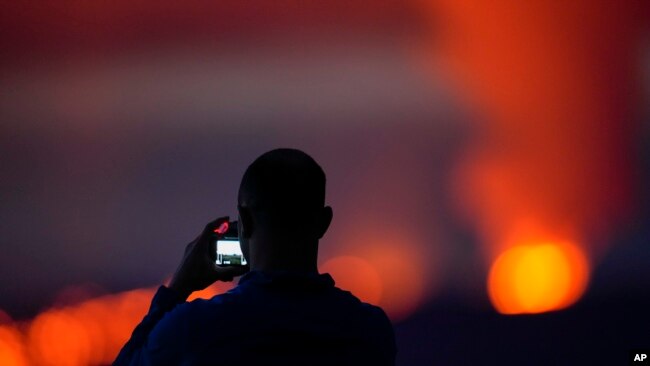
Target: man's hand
198	269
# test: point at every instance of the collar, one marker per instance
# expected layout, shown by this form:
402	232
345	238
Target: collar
293	279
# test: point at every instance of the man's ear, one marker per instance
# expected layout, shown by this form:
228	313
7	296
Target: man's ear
246	222
325	220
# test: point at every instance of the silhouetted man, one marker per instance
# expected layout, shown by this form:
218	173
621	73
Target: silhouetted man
283	312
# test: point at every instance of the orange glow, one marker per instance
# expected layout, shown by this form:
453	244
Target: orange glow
125	311
551	147
57	338
402	278
212	290
93	315
90	332
537	278
12	352
355	275
396	259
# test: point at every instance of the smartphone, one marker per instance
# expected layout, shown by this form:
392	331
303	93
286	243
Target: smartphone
228	250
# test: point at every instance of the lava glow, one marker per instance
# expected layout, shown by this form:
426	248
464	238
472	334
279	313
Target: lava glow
391	260
355	275
90	332
546	81
537	278
12	352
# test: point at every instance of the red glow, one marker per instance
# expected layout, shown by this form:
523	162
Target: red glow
90	332
392	264
355	275
222	228
552	152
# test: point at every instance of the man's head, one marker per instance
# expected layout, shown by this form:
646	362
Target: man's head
282	209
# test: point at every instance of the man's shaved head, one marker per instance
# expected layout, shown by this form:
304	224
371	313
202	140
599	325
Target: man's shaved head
282	212
284	183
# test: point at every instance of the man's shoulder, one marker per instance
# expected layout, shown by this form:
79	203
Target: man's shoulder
200	309
350	299
195	318
345	305
223	301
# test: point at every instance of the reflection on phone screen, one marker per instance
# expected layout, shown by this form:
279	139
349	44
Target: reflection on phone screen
229	253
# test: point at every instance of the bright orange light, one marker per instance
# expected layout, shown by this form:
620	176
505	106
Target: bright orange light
537	278
12	352
355	275
87	333
212	290
551	143
93	315
56	338
124	311
90	332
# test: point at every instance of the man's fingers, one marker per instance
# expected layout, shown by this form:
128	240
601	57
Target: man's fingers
229	272
212	225
240	270
190	245
208	236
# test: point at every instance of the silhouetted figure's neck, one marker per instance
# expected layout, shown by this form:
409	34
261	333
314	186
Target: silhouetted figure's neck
293	256
272	267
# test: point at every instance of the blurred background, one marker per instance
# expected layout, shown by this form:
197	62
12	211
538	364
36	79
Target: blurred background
487	163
